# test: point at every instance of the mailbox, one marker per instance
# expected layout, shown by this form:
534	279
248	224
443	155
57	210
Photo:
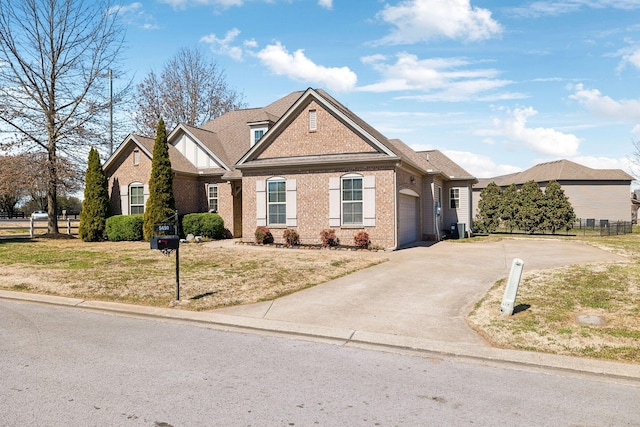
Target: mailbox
165	242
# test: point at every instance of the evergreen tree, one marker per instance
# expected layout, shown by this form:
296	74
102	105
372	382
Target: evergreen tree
161	203
558	210
509	206
95	207
531	215
489	208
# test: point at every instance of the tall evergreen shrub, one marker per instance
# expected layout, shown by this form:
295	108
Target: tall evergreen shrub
531	215
489	208
559	213
161	203
95	207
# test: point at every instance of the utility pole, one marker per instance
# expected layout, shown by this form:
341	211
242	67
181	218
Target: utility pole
110	112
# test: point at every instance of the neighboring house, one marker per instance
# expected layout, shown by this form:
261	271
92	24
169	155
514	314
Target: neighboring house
593	193
304	162
635	204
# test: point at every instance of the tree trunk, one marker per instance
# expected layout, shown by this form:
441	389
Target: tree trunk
52	190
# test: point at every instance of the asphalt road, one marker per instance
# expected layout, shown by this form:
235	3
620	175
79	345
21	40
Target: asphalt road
62	366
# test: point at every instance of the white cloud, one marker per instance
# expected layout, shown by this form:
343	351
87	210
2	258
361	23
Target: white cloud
443	79
422	20
560	7
224	46
545	141
134	14
480	165
327	4
625	110
630	56
183	4
603	162
298	67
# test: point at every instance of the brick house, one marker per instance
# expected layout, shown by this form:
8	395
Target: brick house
304	162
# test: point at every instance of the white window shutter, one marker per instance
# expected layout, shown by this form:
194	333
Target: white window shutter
369	201
124	199
334	202
146	194
292	206
261	203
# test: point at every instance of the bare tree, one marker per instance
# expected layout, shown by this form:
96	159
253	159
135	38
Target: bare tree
190	90
54	56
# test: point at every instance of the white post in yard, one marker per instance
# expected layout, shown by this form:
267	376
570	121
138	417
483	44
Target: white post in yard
31	228
509	299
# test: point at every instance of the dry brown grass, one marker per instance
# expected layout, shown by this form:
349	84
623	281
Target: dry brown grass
552	305
212	274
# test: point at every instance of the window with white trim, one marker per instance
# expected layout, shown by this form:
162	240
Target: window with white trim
257	135
352	200
136	157
136	199
454	198
276	202
212	196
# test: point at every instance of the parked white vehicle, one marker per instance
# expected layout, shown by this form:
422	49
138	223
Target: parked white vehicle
39	215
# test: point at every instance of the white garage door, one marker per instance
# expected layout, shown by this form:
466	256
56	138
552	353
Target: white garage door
409	225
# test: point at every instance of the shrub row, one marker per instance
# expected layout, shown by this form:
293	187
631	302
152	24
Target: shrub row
130	227
327	236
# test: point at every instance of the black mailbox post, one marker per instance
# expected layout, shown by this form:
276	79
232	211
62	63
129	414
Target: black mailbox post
165	242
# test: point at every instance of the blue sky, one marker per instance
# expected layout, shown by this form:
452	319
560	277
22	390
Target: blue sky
499	86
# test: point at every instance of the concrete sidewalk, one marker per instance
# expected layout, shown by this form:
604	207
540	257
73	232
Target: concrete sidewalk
415	302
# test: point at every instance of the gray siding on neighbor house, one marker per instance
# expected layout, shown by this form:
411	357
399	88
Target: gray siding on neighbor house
591	199
599	200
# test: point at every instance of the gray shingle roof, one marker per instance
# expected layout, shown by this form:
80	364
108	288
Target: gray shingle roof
559	170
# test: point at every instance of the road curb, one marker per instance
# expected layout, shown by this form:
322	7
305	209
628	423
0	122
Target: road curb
346	337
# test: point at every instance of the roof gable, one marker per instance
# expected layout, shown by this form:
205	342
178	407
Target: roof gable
201	148
143	143
293	125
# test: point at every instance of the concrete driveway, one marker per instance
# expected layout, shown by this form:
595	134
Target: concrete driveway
422	292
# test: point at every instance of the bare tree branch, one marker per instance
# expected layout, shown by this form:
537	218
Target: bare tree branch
190	90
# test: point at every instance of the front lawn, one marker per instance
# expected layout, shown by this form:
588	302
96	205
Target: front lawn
212	274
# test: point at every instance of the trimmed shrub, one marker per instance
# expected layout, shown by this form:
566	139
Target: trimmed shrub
263	235
361	239
328	237
291	237
95	207
206	224
124	227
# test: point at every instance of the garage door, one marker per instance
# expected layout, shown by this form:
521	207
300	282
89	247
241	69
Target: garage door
409	224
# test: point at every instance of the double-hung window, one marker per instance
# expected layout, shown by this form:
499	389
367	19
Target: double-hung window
277	202
352	201
136	199
213	197
454	198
